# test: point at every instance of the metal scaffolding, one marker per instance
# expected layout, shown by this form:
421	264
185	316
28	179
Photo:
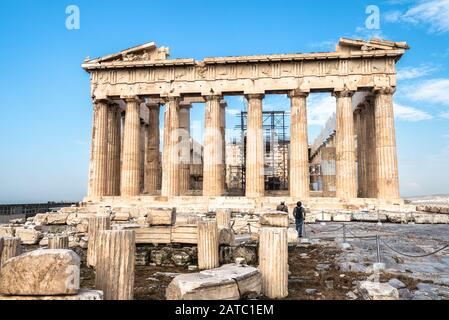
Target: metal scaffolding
276	151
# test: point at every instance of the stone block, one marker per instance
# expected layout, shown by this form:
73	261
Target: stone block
74	219
57	218
292	236
161	217
40	219
187	234
226	237
274	219
431	218
153	235
377	291
121	216
41	273
28	236
6	231
342	217
230	282
83	295
187	219
369	217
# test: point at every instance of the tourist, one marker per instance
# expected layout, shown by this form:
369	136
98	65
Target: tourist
300	214
282	207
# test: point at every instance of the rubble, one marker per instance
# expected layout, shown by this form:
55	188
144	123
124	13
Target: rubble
377	291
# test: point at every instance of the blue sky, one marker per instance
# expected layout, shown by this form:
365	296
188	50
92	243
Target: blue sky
45	122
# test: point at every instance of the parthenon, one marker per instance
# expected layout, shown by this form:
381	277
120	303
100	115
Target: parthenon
129	89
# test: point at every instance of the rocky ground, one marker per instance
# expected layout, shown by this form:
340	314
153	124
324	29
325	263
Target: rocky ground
322	270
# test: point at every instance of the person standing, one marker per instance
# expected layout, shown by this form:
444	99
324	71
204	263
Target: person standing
282	207
300	215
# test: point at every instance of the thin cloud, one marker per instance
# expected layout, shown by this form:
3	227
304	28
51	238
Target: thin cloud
409	73
433	13
410	114
430	91
445	115
320	109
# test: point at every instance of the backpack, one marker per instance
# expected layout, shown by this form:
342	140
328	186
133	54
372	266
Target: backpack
298	215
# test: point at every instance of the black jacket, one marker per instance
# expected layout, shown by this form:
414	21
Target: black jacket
299	213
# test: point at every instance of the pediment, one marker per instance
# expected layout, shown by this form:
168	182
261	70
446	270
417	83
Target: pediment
348	45
145	52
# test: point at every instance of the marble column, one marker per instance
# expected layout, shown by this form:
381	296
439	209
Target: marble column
346	180
386	153
152	171
184	167
255	179
99	150
370	149
130	177
362	155
143	144
114	145
213	179
170	163
223	105
299	147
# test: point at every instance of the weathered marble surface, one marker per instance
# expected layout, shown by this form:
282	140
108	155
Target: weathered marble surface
230	282
41	273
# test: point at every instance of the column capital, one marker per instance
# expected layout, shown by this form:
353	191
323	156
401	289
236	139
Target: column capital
213	97
343	93
153	105
101	100
131	98
258	96
298	93
184	105
384	90
169	99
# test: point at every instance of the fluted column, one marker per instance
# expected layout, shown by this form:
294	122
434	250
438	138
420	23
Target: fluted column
345	147
255	179
130	177
152	171
386	153
58	241
114	146
273	262
11	249
371	149
170	163
184	167
362	145
223	105
299	146
99	150
213	179
115	271
95	225
208	243
143	144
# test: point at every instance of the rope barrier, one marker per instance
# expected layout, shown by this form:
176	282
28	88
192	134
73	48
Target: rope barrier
325	231
411	255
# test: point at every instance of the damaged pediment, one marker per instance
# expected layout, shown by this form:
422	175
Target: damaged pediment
145	52
349	45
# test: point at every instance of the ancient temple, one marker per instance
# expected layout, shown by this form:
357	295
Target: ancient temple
129	89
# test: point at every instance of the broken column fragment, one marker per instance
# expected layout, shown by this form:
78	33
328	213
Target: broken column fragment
115	264
273	254
96	224
229	282
208	243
